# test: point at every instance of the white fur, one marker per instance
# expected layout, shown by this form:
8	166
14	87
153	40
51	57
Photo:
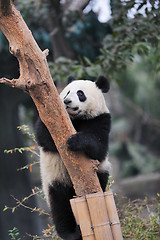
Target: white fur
94	104
52	169
105	166
51	165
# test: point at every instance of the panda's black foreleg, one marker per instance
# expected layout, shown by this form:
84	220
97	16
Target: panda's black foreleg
63	218
94	148
89	144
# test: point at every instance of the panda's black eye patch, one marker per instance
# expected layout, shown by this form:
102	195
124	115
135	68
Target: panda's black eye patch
81	96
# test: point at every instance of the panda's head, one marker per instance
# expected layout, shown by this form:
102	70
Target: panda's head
84	98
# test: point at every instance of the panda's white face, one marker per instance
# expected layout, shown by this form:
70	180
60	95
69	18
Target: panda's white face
83	99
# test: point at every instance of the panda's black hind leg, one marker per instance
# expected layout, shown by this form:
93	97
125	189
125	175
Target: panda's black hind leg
63	218
72	236
103	179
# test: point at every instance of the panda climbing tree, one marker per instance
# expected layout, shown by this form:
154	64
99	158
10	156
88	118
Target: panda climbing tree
35	79
90	116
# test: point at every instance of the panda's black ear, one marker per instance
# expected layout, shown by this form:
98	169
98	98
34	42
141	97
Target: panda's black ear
70	79
103	84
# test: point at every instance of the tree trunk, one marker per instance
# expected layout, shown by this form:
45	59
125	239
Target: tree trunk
35	78
57	32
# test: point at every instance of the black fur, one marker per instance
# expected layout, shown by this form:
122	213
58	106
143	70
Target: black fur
103	84
44	138
91	138
62	215
103	179
70	79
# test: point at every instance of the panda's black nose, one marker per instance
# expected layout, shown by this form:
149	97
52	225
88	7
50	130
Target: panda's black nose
67	101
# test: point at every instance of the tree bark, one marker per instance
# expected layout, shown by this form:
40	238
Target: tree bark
35	78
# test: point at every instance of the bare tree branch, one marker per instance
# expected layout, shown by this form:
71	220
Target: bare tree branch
35	78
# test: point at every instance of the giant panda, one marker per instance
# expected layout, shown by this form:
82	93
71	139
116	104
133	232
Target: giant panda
85	104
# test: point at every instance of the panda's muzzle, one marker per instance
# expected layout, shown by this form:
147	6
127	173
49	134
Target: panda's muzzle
73	109
67	103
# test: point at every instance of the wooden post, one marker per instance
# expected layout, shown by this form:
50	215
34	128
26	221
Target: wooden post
96	214
99	216
82	216
113	216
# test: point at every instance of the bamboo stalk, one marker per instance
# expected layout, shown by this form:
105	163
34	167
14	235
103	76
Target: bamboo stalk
113	215
99	216
74	209
81	213
97	212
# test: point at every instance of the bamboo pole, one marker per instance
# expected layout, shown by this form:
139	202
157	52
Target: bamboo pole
99	216
113	215
82	216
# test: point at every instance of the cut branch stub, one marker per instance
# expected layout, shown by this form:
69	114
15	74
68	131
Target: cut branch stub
35	78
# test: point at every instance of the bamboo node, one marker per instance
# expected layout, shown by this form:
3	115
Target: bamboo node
94	195
87	235
108	193
114	223
101	224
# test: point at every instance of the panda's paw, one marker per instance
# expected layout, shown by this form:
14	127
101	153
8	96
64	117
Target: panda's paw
75	142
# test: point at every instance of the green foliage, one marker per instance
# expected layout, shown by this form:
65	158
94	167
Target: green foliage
130	36
32	149
109	183
140	219
25	130
48	233
63	67
14	234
